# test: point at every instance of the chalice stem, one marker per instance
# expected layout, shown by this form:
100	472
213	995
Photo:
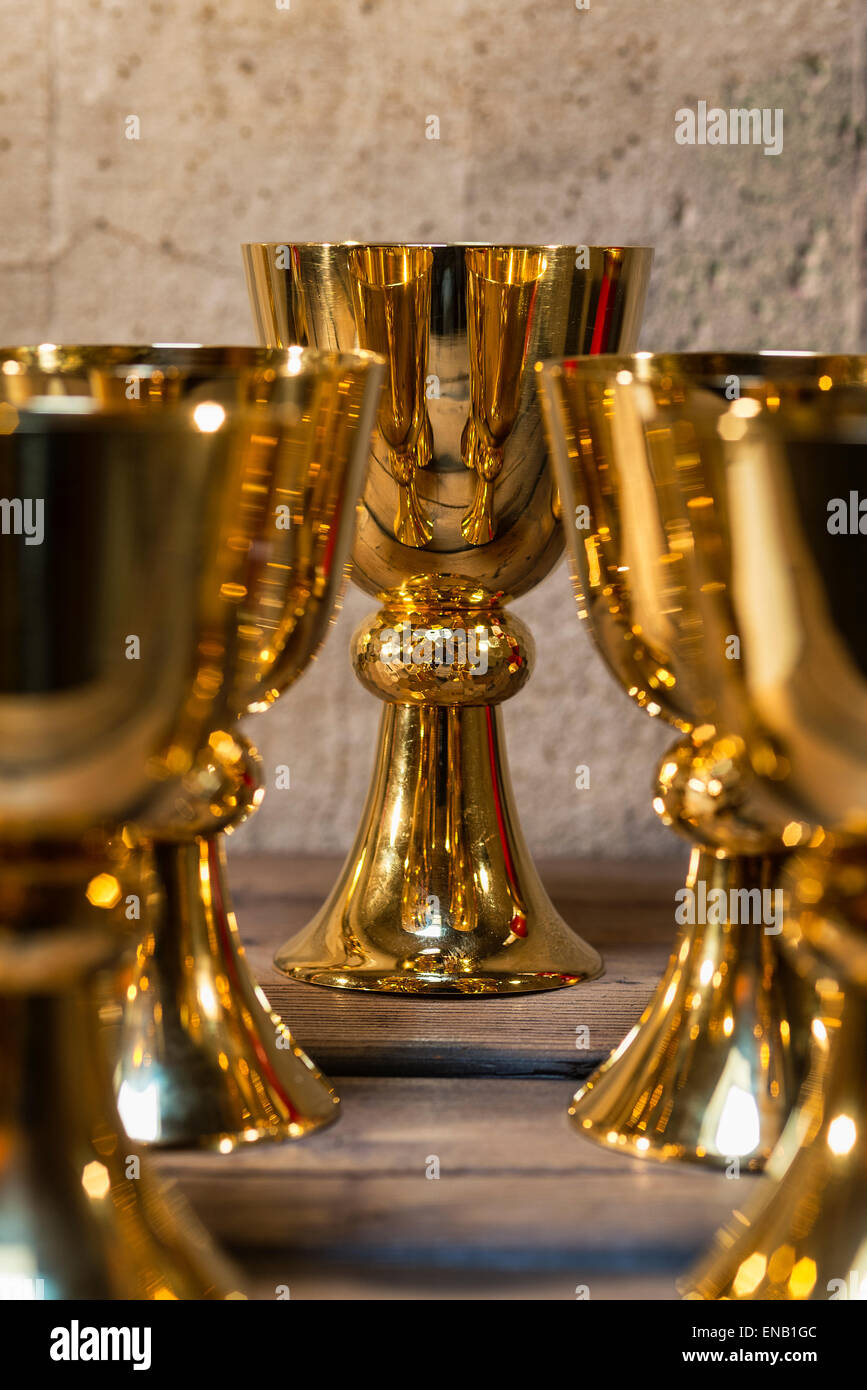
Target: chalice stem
439	892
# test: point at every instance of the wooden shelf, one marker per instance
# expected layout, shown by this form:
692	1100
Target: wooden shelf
524	1207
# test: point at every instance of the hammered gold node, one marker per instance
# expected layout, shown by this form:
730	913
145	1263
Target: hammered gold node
712	1068
143	608
459	515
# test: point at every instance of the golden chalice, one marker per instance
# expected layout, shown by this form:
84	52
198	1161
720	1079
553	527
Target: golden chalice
203	1058
780	547
459	515
143	596
712	1069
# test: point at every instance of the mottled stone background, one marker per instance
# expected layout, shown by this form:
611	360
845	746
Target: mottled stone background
557	124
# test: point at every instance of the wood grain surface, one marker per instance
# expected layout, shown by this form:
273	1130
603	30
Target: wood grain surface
523	1207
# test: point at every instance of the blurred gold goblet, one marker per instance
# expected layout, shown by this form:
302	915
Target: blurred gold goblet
136	623
712	1069
779	541
203	1058
439	894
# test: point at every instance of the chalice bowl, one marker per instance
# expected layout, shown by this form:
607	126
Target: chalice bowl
142	598
779	536
712	1069
459	515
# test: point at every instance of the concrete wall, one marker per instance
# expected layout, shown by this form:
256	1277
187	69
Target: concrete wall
556	123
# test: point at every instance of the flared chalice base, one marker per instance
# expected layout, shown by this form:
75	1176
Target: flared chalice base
204	1059
710	1071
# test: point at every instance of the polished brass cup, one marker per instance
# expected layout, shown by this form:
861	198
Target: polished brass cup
204	1060
712	1069
142	600
439	894
779	537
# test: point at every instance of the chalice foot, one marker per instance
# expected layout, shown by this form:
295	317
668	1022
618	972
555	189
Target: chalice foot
711	1069
204	1060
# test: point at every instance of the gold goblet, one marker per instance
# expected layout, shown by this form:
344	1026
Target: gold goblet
203	1058
134	628
711	1070
780	555
439	894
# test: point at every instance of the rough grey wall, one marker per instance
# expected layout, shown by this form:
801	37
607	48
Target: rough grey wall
556	123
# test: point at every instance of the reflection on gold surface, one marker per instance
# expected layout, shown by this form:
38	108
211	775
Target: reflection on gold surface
209	416
501	295
171	591
104	891
808	1222
96	1180
714	1066
755	462
842	1133
391	293
439	893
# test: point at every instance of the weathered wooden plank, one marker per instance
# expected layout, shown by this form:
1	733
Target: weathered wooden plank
628	913
524	1208
518	1189
517	1222
389	1125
